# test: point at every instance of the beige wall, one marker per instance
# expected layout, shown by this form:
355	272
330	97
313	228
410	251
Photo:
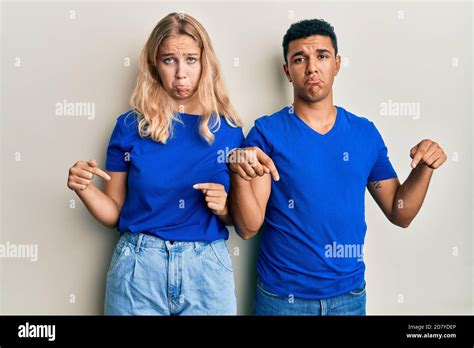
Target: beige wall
417	53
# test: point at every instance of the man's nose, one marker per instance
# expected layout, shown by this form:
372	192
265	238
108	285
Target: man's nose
312	67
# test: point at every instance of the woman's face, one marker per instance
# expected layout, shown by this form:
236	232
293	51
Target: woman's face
179	66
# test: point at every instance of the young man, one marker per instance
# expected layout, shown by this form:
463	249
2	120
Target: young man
321	158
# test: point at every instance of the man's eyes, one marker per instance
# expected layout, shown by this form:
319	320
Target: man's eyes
302	59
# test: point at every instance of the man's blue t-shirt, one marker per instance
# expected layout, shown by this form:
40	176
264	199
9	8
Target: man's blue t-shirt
161	200
314	226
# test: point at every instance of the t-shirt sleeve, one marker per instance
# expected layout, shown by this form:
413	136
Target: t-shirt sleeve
118	155
382	168
238	138
257	138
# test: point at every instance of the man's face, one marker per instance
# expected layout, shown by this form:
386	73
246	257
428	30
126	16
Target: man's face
312	66
179	66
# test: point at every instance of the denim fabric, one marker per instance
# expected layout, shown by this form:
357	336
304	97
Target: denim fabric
151	276
352	303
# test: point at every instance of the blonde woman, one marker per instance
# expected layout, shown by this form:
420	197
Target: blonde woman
166	181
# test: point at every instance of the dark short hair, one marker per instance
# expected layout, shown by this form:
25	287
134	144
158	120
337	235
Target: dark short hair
306	28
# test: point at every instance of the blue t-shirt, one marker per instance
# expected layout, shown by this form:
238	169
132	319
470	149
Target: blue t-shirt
314	226
161	200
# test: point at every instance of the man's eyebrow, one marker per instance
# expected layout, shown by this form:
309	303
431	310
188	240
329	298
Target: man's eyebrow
323	50
299	53
319	50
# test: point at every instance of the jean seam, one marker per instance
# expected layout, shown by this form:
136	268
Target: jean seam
266	292
358	292
115	264
216	254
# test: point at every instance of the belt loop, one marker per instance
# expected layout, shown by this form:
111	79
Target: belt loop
196	246
139	242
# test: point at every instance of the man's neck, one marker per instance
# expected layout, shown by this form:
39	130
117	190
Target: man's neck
319	113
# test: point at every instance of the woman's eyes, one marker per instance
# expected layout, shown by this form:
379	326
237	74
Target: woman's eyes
172	60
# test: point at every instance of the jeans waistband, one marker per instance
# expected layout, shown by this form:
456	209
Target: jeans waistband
150	241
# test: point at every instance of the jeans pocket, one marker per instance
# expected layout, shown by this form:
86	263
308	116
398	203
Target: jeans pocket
120	251
221	254
359	291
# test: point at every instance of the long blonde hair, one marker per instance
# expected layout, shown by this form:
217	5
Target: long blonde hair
155	108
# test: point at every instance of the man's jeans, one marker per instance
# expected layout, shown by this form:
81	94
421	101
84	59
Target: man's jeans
150	276
268	303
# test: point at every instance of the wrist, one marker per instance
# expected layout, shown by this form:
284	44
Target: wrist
424	168
222	212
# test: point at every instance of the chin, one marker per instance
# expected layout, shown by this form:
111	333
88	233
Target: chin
312	98
315	97
182	96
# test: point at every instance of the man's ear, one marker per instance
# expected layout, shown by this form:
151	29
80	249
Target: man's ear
287	73
338	65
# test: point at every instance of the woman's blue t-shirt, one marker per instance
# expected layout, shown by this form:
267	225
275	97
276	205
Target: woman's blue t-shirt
160	199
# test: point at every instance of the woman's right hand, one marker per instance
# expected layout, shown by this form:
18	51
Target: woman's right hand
82	173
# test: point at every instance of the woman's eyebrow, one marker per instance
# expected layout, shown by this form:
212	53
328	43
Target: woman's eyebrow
184	54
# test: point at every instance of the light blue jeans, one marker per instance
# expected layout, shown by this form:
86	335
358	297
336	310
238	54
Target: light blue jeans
151	276
352	303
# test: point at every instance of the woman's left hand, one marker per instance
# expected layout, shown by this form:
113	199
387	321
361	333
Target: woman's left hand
215	196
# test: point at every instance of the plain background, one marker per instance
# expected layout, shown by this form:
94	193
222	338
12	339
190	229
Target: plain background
401	52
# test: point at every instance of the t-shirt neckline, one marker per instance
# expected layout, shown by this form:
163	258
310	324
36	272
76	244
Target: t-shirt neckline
325	135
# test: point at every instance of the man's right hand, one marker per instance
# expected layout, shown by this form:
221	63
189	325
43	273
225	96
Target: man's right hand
250	162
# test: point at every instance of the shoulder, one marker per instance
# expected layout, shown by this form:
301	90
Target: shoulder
363	126
126	128
227	125
274	120
360	122
128	121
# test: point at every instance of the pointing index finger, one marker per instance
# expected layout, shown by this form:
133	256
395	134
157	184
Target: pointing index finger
208	186
101	173
268	162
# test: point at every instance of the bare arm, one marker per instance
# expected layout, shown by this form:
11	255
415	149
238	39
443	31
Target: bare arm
104	206
401	203
248	201
226	218
250	187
